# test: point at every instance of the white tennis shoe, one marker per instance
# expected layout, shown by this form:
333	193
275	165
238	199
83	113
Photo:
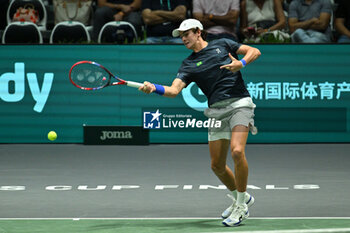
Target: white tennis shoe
239	213
249	200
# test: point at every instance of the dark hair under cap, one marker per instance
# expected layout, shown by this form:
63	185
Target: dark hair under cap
204	33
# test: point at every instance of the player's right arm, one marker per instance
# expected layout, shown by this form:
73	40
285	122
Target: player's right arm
169	91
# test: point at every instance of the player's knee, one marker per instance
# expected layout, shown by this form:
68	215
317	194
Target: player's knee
217	168
237	153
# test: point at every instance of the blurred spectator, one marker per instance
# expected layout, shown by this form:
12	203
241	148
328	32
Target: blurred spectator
117	10
219	17
73	10
342	21
261	16
161	18
3	10
285	4
309	21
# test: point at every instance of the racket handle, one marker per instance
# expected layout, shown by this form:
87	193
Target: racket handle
134	84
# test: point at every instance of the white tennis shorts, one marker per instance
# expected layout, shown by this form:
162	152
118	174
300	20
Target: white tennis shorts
231	112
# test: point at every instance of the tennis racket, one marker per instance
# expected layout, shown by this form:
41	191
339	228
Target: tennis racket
89	75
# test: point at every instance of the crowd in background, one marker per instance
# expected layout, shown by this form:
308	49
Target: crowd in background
248	21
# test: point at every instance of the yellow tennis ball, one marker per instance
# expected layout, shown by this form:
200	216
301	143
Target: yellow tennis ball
52	135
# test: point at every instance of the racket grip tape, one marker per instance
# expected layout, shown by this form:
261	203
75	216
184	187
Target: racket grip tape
133	84
159	89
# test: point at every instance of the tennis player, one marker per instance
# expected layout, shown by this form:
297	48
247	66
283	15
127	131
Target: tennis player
215	68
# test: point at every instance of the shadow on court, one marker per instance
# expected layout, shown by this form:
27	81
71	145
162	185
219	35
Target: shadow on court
161	226
287	225
214	225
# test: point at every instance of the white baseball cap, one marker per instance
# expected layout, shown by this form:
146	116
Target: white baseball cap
186	25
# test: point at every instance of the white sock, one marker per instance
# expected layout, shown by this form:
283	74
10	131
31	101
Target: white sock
234	193
240	198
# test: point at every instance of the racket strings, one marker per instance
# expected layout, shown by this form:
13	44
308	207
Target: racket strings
89	76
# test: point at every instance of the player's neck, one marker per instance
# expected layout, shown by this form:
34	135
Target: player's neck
201	44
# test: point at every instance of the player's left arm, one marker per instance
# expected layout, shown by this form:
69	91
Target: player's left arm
250	54
167	91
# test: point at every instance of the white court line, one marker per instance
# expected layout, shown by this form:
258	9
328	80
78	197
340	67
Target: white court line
177	218
326	230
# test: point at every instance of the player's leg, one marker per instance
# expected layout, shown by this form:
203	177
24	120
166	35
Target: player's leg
237	146
218	152
227	135
219	143
238	143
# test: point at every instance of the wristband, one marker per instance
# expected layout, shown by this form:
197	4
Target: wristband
159	89
244	63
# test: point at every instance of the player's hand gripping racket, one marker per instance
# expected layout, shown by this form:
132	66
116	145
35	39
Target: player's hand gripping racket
88	75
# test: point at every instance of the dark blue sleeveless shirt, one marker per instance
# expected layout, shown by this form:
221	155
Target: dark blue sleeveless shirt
203	68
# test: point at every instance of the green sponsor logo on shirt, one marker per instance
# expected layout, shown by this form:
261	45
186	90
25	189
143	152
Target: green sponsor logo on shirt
199	63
